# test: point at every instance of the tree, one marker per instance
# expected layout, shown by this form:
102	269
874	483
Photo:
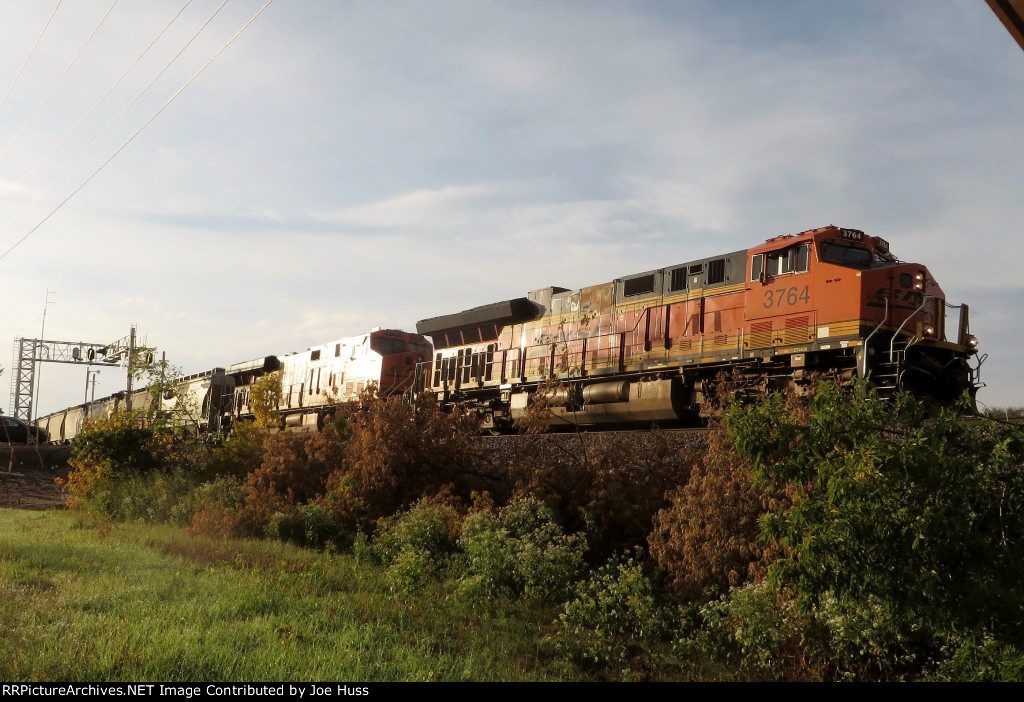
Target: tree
264	399
924	515
167	402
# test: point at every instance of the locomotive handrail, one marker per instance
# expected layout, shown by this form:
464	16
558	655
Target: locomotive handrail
864	370
892	343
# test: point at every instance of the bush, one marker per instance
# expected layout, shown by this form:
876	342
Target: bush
762	632
520	552
608	486
242	452
397	455
973	658
425	528
294	471
122	470
222	490
613	619
755	633
416	544
709	538
922	515
307	525
121	444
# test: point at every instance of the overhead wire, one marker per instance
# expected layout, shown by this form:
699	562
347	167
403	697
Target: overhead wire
30	54
88	114
114	121
138	131
59	80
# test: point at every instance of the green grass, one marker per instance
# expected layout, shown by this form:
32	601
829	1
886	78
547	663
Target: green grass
80	602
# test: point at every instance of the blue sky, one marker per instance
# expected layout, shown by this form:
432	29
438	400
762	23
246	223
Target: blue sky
344	165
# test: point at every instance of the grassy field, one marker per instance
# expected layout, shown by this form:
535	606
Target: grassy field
80	602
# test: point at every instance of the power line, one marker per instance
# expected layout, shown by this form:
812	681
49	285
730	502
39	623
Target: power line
59	80
98	103
138	131
114	121
30	54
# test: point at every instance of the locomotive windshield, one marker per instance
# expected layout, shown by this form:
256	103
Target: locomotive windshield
386	346
852	256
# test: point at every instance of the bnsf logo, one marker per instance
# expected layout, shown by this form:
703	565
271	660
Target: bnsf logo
904	295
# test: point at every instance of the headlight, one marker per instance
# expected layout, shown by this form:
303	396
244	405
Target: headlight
919	281
972	341
929	331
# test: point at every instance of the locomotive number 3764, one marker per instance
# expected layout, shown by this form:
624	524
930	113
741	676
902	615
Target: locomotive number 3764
779	297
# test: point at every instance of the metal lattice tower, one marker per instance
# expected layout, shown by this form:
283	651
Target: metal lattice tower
29	352
24	377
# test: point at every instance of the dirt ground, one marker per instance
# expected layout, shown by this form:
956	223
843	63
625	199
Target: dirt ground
28	473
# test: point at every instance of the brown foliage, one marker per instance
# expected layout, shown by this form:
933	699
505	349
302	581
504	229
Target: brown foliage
214	520
609	485
709	536
398	454
295	470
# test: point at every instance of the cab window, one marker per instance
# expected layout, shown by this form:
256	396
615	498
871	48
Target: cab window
793	259
843	255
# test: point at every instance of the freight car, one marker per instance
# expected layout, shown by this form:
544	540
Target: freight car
648	346
205	392
312	382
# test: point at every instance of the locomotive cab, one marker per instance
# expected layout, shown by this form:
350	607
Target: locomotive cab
865	311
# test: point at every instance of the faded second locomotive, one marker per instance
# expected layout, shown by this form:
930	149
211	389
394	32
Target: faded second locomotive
645	347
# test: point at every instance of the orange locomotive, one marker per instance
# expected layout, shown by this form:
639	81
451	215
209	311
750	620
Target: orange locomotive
645	346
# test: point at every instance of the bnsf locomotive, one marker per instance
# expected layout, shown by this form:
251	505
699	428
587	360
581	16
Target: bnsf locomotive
648	346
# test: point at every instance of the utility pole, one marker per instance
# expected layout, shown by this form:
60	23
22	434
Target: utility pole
89	373
131	354
38	354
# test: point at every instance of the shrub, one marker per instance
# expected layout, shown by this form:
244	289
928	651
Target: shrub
307	525
121	443
242	451
974	658
762	632
709	537
520	552
608	486
754	633
294	471
922	515
425	527
222	490
123	470
414	545
613	618
397	455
